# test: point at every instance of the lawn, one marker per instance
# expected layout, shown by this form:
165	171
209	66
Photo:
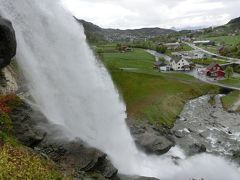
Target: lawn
231	82
149	94
229	100
208	61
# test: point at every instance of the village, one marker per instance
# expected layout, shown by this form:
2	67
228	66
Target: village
197	62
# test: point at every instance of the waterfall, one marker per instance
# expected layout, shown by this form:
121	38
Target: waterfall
73	89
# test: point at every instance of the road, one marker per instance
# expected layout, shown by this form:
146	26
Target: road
158	55
196	73
234	60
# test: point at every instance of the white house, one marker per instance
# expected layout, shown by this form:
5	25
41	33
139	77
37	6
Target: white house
165	68
180	65
201	55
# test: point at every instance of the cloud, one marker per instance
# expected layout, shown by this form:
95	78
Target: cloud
154	13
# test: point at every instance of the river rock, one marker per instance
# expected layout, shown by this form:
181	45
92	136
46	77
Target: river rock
8	44
152	143
196	149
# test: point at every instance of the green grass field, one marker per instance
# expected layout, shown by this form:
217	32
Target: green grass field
229	40
229	100
212	49
149	94
232	82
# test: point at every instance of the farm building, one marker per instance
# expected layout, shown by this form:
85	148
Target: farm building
215	70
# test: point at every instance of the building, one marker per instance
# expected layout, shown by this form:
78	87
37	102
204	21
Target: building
159	64
172	46
206	42
180	65
201	55
165	68
215	70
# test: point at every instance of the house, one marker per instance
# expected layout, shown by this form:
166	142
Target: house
201	55
180	65
172	46
159	64
162	66
206	42
165	68
214	70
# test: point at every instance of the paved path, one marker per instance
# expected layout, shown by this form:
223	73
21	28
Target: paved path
233	60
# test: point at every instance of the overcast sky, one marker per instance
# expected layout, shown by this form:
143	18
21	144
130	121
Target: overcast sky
125	14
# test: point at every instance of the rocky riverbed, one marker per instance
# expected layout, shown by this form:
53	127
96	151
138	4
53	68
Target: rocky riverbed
203	127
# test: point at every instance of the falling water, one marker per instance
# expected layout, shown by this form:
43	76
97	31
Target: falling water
74	90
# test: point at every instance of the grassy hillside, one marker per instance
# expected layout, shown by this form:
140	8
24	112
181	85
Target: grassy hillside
149	94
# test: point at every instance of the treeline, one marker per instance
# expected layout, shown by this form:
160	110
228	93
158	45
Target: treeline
230	51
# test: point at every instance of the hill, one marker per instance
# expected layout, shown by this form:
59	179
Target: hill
95	33
234	21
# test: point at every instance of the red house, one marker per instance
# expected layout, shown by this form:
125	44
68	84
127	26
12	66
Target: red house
215	70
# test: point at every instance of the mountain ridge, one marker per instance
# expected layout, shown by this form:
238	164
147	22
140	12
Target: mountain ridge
95	32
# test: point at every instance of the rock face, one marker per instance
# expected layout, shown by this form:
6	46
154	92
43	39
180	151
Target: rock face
8	44
152	143
72	156
149	139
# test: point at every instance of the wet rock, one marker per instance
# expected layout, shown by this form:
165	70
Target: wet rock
23	127
33	130
8	44
179	134
124	177
196	149
106	168
213	115
155	144
77	156
236	156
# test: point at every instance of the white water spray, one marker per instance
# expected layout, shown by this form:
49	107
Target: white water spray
73	90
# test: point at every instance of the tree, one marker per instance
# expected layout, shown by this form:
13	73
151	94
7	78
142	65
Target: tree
161	49
119	46
229	72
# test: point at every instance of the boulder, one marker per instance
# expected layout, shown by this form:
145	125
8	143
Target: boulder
154	144
8	44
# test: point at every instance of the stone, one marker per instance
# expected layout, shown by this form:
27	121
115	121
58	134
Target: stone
8	43
154	144
196	149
